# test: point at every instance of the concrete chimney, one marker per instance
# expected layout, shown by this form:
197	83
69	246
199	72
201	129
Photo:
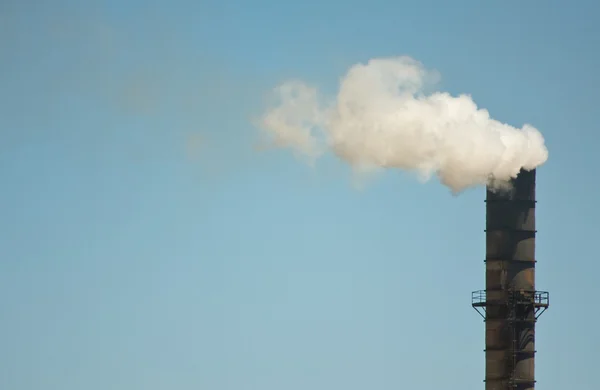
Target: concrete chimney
510	304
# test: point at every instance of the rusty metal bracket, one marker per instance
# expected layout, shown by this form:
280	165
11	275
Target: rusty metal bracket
479	302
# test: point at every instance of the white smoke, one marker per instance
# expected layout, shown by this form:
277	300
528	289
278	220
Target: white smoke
381	118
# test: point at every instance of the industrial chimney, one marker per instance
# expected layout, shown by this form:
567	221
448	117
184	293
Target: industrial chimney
510	305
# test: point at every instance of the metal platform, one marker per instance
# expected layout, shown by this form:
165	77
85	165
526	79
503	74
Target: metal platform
539	300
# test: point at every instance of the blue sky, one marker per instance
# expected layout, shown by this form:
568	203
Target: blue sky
146	242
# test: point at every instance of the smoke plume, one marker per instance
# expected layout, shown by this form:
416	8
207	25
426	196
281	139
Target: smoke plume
382	118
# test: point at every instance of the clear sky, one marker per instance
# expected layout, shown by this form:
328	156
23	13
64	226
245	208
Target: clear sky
148	241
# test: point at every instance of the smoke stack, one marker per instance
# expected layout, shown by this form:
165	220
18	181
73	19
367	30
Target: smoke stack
510	304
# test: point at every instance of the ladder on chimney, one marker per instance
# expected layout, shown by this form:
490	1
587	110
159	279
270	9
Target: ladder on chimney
512	303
